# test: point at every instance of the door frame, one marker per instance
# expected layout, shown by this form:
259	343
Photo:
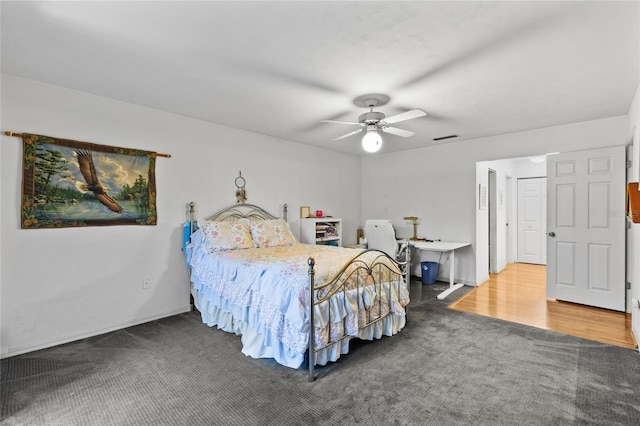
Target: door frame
508	212
492	205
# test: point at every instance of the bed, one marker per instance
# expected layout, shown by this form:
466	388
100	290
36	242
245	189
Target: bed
250	276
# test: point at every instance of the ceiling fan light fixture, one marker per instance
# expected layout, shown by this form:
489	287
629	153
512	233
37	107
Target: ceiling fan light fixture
372	141
375	122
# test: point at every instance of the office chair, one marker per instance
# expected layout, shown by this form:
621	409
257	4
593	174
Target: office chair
381	236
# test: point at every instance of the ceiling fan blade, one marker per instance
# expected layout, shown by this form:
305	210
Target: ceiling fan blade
339	122
348	134
398	132
408	115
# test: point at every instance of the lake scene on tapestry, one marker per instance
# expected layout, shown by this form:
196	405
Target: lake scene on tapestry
69	183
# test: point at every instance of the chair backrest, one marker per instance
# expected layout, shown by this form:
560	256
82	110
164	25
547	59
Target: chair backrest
381	236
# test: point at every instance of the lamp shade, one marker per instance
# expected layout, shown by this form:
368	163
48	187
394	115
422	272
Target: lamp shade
371	142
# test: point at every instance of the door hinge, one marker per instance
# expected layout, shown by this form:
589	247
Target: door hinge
628	285
628	224
628	164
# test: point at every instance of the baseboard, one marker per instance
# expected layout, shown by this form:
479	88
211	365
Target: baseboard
66	339
445	280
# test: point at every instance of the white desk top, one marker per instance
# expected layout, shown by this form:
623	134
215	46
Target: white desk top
438	245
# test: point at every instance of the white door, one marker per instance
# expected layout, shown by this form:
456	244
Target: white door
531	213
543	222
586	227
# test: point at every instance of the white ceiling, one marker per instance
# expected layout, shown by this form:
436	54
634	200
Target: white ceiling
278	68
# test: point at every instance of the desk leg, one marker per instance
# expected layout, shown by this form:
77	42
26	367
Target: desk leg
452	287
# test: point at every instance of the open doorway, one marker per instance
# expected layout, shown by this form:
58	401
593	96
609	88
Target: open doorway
586	259
497	231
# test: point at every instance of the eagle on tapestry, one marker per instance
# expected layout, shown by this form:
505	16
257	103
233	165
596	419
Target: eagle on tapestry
93	184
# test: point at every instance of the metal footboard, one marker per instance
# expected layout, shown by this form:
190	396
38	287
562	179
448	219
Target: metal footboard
368	268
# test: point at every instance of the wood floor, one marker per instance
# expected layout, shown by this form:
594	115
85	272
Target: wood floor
518	294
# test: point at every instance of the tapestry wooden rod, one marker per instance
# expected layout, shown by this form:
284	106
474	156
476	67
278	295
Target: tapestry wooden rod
19	135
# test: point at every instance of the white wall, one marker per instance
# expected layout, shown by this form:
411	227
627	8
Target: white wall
438	183
59	285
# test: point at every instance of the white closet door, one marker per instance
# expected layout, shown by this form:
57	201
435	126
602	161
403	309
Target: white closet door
531	220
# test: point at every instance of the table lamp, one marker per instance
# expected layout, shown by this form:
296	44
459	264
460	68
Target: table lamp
414	219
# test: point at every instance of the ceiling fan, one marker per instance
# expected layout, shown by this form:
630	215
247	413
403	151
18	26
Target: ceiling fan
374	122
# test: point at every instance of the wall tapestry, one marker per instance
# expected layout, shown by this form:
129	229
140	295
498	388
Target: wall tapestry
67	183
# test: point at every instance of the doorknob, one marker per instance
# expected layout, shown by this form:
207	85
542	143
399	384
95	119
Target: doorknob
551	234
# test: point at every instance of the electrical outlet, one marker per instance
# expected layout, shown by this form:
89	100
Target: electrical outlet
146	283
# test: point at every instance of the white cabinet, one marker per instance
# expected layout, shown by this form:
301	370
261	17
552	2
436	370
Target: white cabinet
321	230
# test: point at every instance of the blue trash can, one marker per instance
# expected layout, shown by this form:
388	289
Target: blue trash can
429	272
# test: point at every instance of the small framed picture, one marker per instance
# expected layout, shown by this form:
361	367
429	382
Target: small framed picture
305	211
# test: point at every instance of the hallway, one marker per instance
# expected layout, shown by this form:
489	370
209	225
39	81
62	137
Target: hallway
518	294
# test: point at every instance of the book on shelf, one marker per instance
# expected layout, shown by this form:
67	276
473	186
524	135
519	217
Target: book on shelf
331	230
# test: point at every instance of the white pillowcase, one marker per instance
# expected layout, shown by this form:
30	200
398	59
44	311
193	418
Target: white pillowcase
221	236
272	233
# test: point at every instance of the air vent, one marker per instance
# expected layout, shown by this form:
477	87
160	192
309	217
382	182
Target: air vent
445	137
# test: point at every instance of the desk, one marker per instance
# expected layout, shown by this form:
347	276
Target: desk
443	246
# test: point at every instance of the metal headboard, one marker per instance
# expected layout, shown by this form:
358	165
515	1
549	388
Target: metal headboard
237	212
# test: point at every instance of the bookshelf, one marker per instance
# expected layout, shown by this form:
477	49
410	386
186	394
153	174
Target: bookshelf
321	230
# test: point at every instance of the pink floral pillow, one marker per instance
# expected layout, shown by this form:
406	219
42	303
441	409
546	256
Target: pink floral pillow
272	233
221	236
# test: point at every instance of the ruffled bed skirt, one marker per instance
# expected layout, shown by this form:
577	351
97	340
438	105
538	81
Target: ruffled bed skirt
262	344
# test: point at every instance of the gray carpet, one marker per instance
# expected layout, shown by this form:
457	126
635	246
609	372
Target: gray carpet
445	368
